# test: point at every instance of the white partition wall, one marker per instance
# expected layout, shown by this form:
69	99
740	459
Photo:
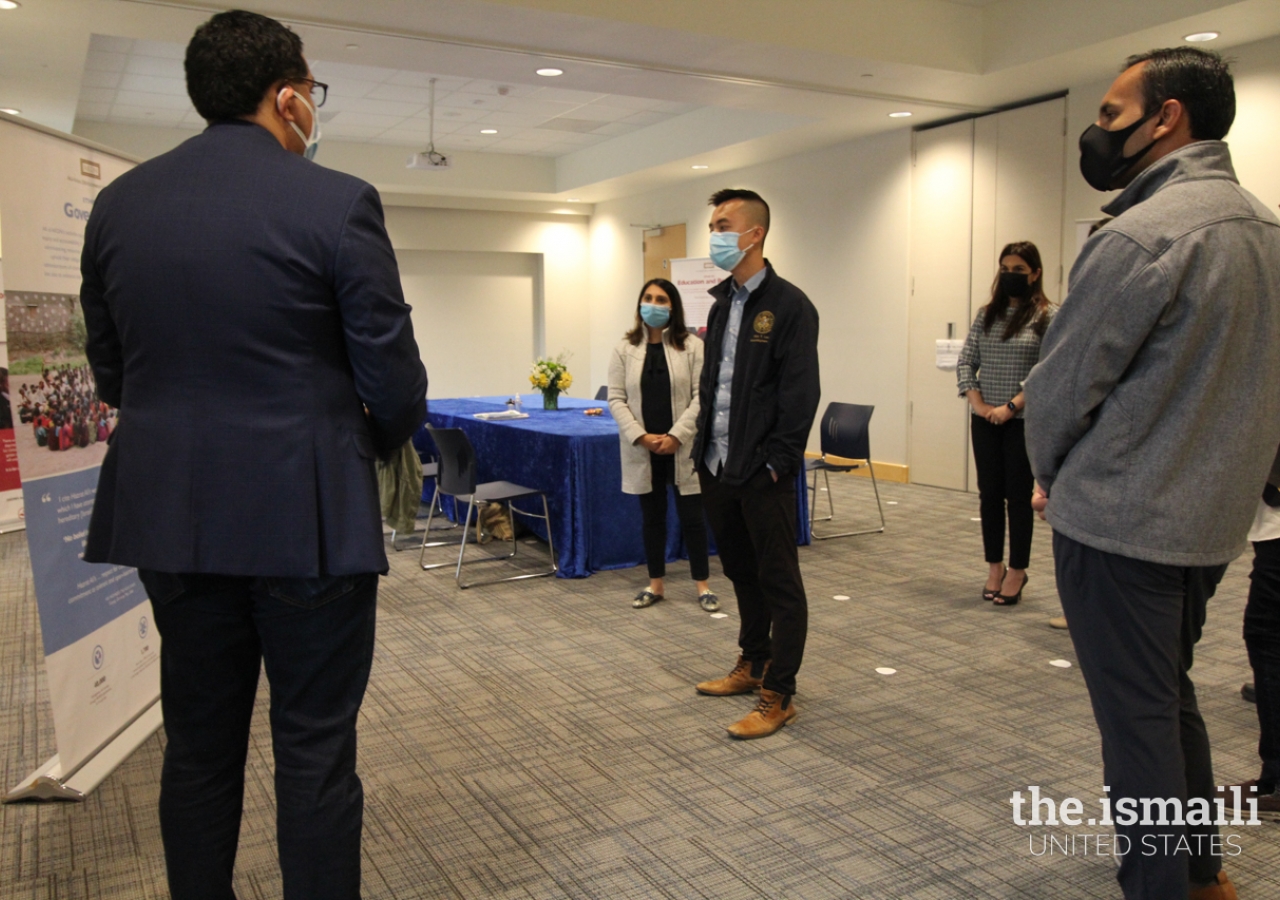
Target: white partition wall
941	250
976	186
476	318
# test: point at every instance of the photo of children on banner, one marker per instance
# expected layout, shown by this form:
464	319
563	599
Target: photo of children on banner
63	409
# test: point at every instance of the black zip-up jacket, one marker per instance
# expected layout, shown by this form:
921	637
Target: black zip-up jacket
776	387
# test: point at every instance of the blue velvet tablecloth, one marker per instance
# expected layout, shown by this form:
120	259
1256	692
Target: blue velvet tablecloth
576	459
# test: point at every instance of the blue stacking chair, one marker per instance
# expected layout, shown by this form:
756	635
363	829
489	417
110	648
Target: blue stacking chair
845	434
457	479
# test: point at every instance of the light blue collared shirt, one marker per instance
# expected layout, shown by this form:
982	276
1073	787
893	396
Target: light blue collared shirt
718	446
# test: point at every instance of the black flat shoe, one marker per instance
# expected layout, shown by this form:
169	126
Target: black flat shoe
1006	600
646	598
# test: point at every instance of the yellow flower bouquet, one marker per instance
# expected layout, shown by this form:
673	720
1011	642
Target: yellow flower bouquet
551	376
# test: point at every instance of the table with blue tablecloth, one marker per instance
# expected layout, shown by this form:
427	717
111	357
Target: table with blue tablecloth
576	460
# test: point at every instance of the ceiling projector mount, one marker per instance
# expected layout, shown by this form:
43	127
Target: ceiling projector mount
429	159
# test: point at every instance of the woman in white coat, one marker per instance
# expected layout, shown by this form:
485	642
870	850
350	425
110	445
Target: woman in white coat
653	395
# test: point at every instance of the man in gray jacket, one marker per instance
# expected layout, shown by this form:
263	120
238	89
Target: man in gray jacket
1152	420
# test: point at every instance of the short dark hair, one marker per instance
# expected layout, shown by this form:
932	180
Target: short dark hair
234	58
727	194
1199	79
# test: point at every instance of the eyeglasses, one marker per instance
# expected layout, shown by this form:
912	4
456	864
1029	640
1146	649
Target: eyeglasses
317	88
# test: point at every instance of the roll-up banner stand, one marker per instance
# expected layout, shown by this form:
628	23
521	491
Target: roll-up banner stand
101	649
694	277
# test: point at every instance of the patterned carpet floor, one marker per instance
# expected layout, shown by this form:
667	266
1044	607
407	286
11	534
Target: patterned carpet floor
542	739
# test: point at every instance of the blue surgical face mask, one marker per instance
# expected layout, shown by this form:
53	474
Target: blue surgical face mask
311	141
655	316
724	249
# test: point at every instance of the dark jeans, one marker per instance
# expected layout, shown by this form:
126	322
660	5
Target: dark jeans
1262	638
1004	478
653	510
755	529
315	637
1135	625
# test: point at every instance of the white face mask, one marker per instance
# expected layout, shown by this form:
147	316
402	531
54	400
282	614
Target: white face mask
312	141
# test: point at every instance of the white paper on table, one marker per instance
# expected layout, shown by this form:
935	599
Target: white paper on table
948	354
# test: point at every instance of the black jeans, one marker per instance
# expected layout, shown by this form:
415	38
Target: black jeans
653	510
1004	478
1262	638
1135	625
755	529
315	637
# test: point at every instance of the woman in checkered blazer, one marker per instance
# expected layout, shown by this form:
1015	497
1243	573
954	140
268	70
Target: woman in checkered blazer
1003	345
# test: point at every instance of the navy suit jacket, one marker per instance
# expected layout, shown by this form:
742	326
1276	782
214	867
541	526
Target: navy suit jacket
244	311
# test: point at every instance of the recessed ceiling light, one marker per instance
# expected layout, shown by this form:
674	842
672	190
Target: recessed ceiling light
700	167
1201	36
9	4
575	200
899	115
488	131
352	47
550	72
11	111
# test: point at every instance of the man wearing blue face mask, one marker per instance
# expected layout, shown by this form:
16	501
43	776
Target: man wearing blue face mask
244	312
759	393
1152	421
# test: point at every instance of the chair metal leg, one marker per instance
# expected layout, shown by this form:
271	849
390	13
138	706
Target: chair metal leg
879	508
512	511
435	499
831	503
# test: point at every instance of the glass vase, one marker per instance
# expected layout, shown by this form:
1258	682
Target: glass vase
551	399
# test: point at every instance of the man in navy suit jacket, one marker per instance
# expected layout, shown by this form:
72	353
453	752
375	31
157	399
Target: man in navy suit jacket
244	312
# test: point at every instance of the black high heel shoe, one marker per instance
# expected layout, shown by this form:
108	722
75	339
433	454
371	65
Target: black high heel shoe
1006	600
991	595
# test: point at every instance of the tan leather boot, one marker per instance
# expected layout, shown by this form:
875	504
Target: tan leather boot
772	712
1222	890
739	681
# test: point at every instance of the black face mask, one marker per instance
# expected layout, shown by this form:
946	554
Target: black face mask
1015	285
1102	158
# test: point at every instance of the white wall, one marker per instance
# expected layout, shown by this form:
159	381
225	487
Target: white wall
559	244
839	233
474	318
1252	139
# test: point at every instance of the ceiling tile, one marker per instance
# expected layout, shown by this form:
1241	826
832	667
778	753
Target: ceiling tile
634	103
457	115
646	118
155	65
94	112
146	115
99	61
364	120
150	84
444	83
325	70
110	44
97	95
492	88
161	49
564	95
613	129
93	79
464	100
152	101
598	112
512	119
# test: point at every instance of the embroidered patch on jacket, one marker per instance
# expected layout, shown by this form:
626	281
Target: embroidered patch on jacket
764	323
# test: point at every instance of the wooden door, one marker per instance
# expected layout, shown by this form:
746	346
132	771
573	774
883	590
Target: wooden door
661	245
